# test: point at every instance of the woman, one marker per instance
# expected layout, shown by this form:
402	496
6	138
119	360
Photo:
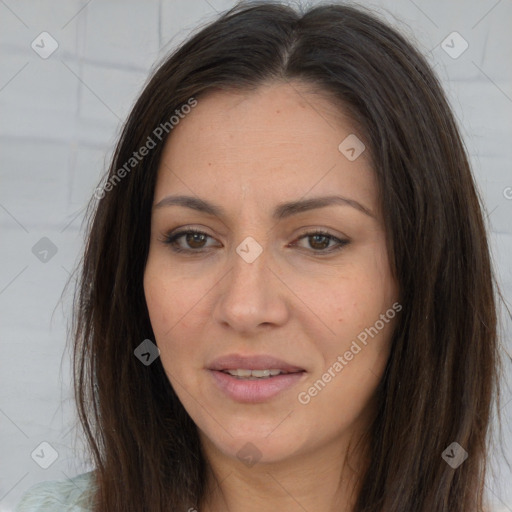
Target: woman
286	297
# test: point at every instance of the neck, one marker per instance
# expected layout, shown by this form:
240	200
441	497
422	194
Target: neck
317	481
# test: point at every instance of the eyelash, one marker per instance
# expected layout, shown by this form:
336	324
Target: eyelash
173	237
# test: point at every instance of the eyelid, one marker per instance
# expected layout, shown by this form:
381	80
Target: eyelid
312	230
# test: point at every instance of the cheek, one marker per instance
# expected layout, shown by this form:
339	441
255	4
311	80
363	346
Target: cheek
342	389
157	301
174	306
168	297
352	303
353	309
162	304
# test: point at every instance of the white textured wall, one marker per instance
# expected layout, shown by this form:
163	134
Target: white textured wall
59	118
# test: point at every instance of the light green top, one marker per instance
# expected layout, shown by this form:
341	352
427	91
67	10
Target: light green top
72	495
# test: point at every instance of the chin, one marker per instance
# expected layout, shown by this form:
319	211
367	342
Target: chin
253	445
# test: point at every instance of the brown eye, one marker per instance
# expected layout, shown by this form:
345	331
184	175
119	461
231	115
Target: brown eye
194	240
319	242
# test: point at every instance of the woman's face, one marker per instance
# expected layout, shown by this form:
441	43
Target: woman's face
256	289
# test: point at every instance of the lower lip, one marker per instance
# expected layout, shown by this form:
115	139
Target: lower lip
255	391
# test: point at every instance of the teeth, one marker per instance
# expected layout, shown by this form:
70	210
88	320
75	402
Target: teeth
258	374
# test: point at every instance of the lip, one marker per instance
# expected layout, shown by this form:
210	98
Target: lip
256	362
254	391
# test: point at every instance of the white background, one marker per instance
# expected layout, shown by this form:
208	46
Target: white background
59	119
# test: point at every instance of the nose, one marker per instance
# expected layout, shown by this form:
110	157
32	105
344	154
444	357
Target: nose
251	296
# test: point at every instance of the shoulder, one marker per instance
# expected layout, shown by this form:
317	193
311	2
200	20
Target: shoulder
70	495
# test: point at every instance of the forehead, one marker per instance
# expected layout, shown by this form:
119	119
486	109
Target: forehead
277	141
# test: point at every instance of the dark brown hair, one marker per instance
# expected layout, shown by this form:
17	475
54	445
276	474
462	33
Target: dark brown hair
442	374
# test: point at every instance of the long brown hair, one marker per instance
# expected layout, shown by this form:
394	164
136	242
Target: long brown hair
442	374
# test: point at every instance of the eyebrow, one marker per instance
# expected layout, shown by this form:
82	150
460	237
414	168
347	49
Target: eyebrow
281	211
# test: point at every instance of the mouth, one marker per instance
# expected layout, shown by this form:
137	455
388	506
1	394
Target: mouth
257	374
254	379
255	364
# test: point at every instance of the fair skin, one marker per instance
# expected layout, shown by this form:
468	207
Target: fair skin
299	301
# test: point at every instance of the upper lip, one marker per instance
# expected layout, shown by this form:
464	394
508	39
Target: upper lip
255	362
